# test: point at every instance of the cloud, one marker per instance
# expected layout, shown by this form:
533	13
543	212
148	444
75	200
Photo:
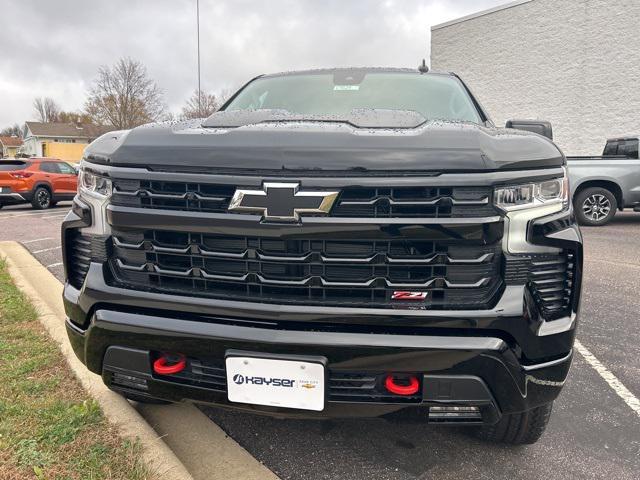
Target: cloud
55	48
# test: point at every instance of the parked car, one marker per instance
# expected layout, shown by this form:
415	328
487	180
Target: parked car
601	185
40	181
331	243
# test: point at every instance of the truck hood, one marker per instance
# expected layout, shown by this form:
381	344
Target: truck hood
273	142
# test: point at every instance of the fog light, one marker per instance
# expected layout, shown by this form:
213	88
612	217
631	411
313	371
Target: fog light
169	364
130	381
454	413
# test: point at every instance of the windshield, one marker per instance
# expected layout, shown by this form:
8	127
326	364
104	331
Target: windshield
435	97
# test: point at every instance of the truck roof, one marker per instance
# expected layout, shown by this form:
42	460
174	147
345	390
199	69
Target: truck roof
623	137
355	69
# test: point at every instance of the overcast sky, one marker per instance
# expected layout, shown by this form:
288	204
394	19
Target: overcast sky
54	48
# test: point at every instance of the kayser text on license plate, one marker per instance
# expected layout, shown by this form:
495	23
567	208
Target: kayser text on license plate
275	382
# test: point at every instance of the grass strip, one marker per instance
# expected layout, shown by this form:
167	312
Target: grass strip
49	426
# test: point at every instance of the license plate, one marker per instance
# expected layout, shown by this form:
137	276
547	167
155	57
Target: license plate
276	383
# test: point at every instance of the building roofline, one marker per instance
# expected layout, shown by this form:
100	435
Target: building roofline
482	13
61	136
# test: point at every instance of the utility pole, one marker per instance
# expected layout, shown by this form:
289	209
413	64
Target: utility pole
198	30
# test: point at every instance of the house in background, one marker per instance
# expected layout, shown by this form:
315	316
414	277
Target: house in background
65	141
9	146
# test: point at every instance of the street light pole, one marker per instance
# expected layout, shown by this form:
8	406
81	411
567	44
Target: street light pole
198	30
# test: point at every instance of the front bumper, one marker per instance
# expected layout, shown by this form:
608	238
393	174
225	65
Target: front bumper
474	371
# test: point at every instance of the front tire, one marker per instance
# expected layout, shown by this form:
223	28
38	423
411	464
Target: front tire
522	428
41	199
595	206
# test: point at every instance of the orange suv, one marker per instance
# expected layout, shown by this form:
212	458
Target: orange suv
40	181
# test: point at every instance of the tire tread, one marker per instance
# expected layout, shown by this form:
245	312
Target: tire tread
523	428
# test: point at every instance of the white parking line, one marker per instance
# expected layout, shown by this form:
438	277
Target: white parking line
36	240
54	265
617	386
30	214
46	250
20	214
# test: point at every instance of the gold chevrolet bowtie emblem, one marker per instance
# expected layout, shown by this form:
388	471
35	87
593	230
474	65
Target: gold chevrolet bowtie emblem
282	201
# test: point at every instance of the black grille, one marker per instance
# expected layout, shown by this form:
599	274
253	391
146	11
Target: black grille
78	257
399	202
80	251
551	279
424	202
457	273
206	374
197	197
342	387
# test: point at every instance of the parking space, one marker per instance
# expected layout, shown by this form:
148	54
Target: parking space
38	230
594	432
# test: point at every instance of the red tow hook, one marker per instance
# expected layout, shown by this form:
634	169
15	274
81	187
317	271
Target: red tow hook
170	363
401	385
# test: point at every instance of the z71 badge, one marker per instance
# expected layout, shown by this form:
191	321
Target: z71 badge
402	295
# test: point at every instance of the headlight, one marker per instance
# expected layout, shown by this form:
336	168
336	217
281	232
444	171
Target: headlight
93	184
526	202
531	195
95	190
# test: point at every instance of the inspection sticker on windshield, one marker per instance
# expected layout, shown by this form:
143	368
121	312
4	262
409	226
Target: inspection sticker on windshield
277	383
345	87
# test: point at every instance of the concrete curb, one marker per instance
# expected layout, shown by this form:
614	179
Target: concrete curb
179	441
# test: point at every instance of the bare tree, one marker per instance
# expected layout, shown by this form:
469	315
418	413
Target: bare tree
12	130
47	109
206	106
74	117
123	96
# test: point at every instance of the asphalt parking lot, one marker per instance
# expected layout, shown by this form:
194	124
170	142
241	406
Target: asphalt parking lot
594	431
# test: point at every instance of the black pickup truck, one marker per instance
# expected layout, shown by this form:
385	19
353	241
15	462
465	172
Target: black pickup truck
331	243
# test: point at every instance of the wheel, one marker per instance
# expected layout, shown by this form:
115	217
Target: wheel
595	206
41	198
518	428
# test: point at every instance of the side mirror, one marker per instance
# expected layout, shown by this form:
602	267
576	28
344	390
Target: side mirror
536	126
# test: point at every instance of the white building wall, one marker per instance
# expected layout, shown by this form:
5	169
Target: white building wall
32	146
575	63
